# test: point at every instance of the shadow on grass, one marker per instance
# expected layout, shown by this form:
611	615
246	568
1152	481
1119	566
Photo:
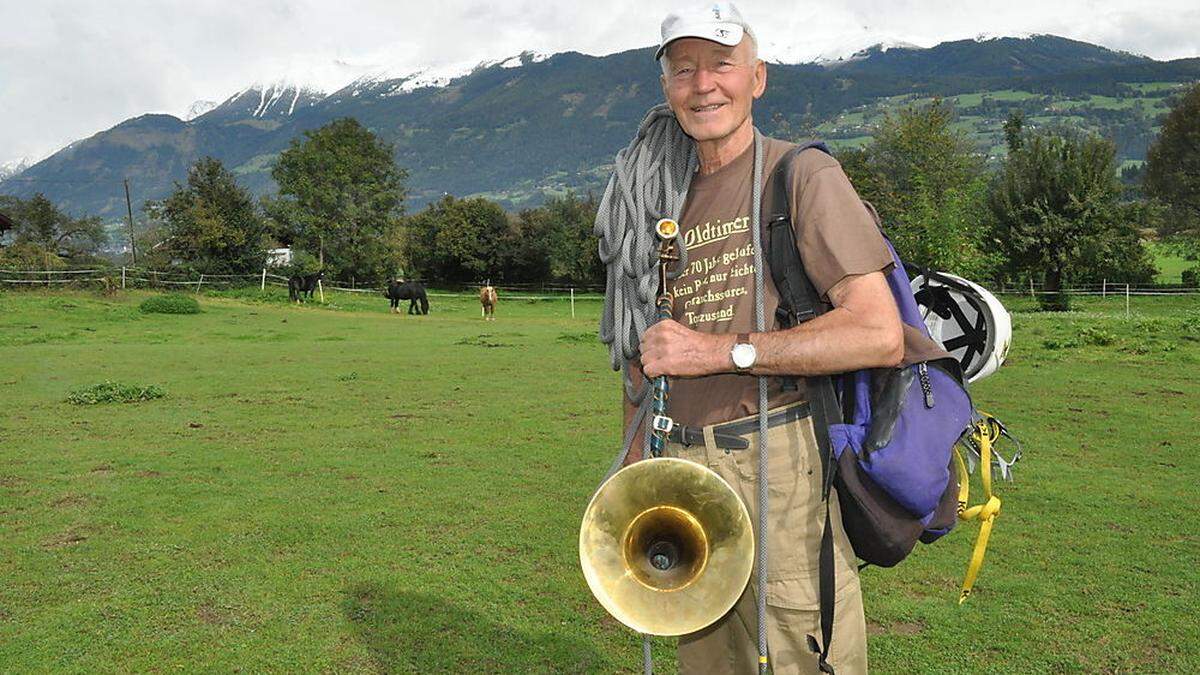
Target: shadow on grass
405	631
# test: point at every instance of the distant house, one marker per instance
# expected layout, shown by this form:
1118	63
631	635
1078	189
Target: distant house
278	257
6	224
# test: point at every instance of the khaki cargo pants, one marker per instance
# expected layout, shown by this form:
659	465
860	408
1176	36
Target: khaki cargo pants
796	518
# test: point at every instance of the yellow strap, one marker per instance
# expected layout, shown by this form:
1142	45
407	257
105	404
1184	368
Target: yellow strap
986	431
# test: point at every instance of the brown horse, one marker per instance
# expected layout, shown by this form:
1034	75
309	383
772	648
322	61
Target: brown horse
487	298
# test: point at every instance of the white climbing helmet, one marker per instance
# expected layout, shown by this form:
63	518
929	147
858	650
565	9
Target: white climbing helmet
966	319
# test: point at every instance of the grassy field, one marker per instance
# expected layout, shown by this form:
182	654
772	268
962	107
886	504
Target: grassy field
1170	266
340	489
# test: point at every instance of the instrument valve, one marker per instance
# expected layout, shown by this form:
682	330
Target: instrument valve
663	424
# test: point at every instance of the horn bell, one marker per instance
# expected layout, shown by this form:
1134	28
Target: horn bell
666	546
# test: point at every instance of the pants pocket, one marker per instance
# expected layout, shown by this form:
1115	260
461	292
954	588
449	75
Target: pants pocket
794	613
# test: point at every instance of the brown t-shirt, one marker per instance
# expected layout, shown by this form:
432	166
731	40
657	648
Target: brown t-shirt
836	236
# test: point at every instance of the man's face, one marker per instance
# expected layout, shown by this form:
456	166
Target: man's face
710	87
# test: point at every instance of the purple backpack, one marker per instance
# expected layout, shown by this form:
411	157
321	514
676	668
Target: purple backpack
886	435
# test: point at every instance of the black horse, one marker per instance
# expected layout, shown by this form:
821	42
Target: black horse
302	285
412	291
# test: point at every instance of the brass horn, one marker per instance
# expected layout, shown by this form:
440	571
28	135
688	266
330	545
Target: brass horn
666	546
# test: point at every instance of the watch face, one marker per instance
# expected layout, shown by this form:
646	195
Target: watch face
743	355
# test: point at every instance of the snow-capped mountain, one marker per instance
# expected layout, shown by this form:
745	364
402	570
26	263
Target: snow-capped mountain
196	109
392	81
14	167
267	100
838	57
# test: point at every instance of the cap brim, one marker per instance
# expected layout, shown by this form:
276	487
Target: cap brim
728	34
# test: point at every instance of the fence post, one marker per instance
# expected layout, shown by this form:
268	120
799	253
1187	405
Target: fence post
263	287
1031	288
1104	289
199	282
122	277
572	302
321	290
1126	301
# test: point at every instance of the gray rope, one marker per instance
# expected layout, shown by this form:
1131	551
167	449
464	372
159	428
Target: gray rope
647	659
760	327
638	416
649	181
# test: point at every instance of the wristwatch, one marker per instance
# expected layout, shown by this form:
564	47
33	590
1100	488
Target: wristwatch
743	353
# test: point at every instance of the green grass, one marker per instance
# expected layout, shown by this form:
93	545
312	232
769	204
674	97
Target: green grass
170	303
1147	87
1010	95
1170	266
846	143
336	488
114	392
983	126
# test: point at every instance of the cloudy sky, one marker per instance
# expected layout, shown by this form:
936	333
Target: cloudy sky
71	69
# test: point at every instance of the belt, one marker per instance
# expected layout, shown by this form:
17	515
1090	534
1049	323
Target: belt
729	436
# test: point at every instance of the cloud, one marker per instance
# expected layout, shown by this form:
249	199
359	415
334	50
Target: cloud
70	69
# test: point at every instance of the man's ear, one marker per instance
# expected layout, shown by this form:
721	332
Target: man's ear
760	77
662	81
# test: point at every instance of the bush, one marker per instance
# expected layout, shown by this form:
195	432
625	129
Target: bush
1060	343
1097	337
171	303
1189	323
1191	277
1054	302
113	392
302	263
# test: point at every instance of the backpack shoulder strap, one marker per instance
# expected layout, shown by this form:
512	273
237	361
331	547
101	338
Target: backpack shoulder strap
796	294
798	302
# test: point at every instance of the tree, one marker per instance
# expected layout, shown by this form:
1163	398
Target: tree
459	240
1013	126
210	223
341	195
530	242
1172	172
1057	214
38	225
928	184
563	227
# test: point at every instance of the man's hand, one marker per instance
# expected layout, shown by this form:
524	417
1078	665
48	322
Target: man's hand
670	348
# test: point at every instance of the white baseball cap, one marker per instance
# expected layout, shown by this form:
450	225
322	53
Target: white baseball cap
719	22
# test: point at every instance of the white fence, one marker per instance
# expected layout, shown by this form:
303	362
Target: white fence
1103	289
137	277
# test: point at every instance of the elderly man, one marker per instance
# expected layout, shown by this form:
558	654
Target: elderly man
711	76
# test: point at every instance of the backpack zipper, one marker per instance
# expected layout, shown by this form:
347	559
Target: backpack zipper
923	373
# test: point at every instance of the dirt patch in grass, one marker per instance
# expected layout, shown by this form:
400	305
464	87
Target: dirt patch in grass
69	501
64	539
895	628
484	340
211	615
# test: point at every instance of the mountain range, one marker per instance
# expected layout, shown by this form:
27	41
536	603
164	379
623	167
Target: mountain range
533	125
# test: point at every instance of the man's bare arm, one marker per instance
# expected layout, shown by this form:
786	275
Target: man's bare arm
862	331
